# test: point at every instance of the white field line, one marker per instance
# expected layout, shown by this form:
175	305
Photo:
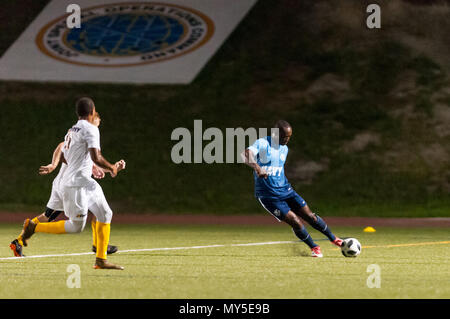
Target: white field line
223	245
156	249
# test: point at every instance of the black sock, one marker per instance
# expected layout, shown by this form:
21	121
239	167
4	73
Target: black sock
304	236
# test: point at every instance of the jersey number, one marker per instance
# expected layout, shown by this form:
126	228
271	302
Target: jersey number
68	140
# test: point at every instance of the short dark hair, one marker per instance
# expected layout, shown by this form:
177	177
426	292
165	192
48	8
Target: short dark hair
282	124
84	106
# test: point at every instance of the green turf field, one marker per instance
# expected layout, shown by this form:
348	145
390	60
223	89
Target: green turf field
417	268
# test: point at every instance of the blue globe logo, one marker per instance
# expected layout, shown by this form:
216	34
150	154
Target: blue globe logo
125	34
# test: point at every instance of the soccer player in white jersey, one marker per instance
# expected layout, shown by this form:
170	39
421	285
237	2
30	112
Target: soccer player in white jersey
55	204
80	191
267	157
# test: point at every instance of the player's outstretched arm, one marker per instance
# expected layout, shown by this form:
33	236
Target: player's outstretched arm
47	169
249	160
101	162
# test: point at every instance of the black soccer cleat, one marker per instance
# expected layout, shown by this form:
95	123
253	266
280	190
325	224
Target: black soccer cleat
111	249
16	247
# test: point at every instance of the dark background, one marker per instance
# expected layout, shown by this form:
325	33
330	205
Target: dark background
369	109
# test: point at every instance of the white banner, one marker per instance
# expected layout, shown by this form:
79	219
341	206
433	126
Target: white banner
163	41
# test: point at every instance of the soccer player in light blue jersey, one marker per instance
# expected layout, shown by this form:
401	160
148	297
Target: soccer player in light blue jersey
267	157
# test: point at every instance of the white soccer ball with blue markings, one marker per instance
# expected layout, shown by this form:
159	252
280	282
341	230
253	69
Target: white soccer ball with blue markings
351	247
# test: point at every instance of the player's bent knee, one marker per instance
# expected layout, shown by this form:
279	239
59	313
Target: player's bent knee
293	220
312	218
74	226
307	214
106	217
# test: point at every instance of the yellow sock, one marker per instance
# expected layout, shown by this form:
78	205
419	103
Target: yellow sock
103	231
35	220
94	233
51	228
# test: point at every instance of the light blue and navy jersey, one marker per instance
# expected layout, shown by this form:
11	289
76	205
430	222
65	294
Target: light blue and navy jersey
272	159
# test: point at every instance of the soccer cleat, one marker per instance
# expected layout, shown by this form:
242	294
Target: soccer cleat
16	247
104	264
111	249
316	252
338	242
27	231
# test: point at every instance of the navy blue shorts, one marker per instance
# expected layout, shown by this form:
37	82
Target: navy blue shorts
280	207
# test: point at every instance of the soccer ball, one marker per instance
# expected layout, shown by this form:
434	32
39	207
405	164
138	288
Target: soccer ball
351	247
